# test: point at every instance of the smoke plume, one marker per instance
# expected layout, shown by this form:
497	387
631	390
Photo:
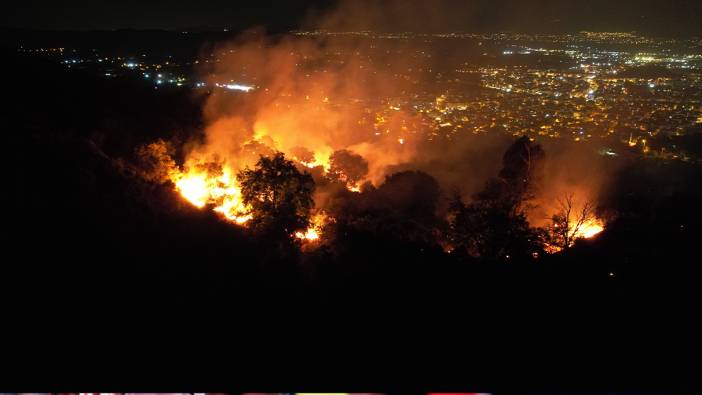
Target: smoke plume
313	95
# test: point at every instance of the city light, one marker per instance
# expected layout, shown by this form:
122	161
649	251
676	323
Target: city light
239	87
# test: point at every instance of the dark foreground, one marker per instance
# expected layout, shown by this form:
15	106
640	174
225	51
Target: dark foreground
88	246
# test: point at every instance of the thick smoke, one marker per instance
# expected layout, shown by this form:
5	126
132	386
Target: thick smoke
314	95
311	93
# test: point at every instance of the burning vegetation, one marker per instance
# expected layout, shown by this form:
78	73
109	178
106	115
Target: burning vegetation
274	191
200	183
261	200
570	224
277	196
320	135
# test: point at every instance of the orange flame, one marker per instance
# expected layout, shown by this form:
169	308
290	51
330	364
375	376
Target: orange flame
222	191
320	159
314	231
354	187
590	228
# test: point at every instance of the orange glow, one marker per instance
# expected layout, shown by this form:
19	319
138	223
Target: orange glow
194	189
552	249
354	187
222	191
309	234
632	142
590	228
320	159
314	231
213	185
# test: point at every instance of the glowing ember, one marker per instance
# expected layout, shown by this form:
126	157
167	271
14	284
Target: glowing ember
552	249
354	187
315	230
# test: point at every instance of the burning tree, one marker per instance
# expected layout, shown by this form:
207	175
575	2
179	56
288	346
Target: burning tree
348	167
279	196
155	161
302	154
569	223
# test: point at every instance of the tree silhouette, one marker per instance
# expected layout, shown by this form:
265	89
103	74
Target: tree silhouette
519	178
568	222
403	209
348	167
494	225
487	231
279	195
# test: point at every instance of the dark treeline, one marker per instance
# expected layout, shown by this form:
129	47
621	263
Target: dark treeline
85	228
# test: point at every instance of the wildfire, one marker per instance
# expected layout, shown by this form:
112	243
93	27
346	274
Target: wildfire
309	234
590	228
213	184
354	187
194	189
320	159
216	186
323	159
552	249
315	230
201	187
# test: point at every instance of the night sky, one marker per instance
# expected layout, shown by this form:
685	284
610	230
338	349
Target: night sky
672	17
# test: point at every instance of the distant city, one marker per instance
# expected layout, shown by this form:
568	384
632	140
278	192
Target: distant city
634	93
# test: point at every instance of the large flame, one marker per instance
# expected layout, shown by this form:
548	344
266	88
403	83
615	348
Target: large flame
321	95
212	184
589	228
222	191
